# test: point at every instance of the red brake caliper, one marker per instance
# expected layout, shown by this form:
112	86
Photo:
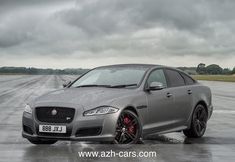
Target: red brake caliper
130	127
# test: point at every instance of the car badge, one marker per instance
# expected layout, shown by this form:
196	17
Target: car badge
54	112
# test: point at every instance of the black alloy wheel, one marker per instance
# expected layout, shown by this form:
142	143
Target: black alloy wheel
198	124
128	130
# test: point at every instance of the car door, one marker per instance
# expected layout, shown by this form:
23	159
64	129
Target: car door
160	103
182	96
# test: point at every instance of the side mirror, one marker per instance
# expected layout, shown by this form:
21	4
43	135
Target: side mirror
155	86
66	83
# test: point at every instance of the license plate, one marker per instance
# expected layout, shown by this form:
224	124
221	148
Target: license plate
52	128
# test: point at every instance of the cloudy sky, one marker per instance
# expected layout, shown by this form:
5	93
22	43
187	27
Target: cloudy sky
89	33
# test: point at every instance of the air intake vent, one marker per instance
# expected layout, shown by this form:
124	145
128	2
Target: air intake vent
92	131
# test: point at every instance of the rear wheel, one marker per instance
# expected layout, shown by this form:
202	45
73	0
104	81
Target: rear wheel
42	142
198	123
128	129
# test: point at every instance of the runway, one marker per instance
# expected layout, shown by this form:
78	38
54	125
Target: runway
218	144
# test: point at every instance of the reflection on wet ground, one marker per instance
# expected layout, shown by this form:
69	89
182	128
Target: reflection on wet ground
165	152
218	144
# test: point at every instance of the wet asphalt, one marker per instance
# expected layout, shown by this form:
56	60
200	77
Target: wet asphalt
218	143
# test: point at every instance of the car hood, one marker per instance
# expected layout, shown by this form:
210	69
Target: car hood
86	97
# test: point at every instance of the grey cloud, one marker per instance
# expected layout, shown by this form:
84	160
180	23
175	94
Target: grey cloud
16	31
109	16
127	28
13	3
196	19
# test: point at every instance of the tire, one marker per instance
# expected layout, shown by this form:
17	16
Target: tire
198	123
42	142
128	129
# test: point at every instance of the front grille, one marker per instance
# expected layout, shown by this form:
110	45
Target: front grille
55	114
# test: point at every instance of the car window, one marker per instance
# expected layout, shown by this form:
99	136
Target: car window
112	76
157	76
175	78
188	80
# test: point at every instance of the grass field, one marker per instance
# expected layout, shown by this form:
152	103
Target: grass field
223	78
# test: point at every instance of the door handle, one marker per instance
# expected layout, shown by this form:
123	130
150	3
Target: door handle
168	95
190	91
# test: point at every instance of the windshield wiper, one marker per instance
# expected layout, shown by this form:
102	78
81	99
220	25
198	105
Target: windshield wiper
93	85
108	86
123	85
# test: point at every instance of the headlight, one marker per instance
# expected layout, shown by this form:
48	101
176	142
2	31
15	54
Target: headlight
100	111
28	109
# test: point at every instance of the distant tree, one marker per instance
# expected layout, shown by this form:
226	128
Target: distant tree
227	71
201	68
31	70
233	71
214	69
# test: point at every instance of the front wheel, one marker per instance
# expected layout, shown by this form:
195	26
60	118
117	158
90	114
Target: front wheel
42	142
198	123
128	129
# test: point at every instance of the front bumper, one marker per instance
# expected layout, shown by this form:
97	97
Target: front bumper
106	123
71	138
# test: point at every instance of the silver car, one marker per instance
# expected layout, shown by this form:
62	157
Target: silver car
120	104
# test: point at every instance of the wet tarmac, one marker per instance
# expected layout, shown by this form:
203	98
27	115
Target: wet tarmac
218	144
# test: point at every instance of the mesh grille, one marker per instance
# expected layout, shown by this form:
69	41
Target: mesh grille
55	114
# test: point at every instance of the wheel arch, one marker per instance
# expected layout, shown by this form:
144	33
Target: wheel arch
202	102
190	132
133	109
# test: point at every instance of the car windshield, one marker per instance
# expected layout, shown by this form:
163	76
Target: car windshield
112	77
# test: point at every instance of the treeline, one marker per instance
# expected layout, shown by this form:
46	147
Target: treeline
213	69
38	71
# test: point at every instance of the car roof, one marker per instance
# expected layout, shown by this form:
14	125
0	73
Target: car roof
147	66
132	65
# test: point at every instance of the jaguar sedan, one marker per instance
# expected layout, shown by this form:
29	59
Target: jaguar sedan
120	104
